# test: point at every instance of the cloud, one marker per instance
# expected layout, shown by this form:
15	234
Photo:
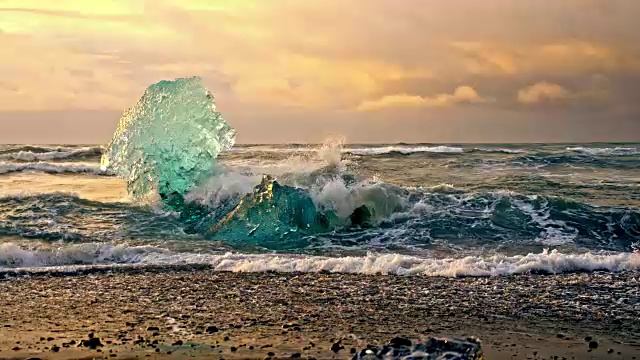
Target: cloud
461	95
593	94
543	92
313	55
549	58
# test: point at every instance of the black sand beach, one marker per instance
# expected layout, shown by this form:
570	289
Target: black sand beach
192	311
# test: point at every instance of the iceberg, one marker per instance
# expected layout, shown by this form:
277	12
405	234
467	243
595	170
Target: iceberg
167	142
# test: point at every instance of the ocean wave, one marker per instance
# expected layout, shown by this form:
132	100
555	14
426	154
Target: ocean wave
362	151
13	256
499	150
405	150
440	217
52	169
38	149
621	151
60	153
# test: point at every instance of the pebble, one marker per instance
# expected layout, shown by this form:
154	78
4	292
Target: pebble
211	329
337	346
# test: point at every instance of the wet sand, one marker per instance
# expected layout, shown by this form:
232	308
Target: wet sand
193	311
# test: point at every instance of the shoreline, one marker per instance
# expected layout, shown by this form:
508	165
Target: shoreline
283	313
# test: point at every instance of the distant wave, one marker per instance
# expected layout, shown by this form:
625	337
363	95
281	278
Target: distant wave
30	153
52	169
403	150
605	151
374	150
552	262
497	150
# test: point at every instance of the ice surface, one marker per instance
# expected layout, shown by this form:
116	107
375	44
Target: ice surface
167	142
274	216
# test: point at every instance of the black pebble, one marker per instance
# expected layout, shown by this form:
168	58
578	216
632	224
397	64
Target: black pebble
226	338
92	343
337	346
177	343
234	349
55	348
296	356
398	341
271	353
211	329
593	345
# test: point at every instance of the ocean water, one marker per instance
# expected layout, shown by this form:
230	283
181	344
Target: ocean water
444	210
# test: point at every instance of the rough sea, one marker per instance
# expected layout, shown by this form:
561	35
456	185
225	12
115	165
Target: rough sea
439	210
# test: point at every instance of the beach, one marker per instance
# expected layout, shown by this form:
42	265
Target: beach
194	311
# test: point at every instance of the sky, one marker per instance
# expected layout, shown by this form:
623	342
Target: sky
439	71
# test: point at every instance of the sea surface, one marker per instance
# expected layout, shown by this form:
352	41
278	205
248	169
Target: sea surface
442	210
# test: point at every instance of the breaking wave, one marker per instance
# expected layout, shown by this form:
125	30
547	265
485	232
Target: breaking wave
406	150
32	153
52	169
549	262
440	218
621	151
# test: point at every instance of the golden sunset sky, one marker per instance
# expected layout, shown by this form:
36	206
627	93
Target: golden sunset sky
301	70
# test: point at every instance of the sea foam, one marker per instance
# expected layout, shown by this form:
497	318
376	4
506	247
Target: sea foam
552	262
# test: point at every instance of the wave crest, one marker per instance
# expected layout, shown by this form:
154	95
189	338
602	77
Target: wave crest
52	169
60	153
548	262
622	151
405	150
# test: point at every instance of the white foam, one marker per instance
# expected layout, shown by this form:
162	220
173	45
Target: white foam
218	189
13	256
605	151
403	150
555	232
505	151
380	198
51	168
58	153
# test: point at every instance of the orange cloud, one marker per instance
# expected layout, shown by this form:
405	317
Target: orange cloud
543	92
461	95
565	58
